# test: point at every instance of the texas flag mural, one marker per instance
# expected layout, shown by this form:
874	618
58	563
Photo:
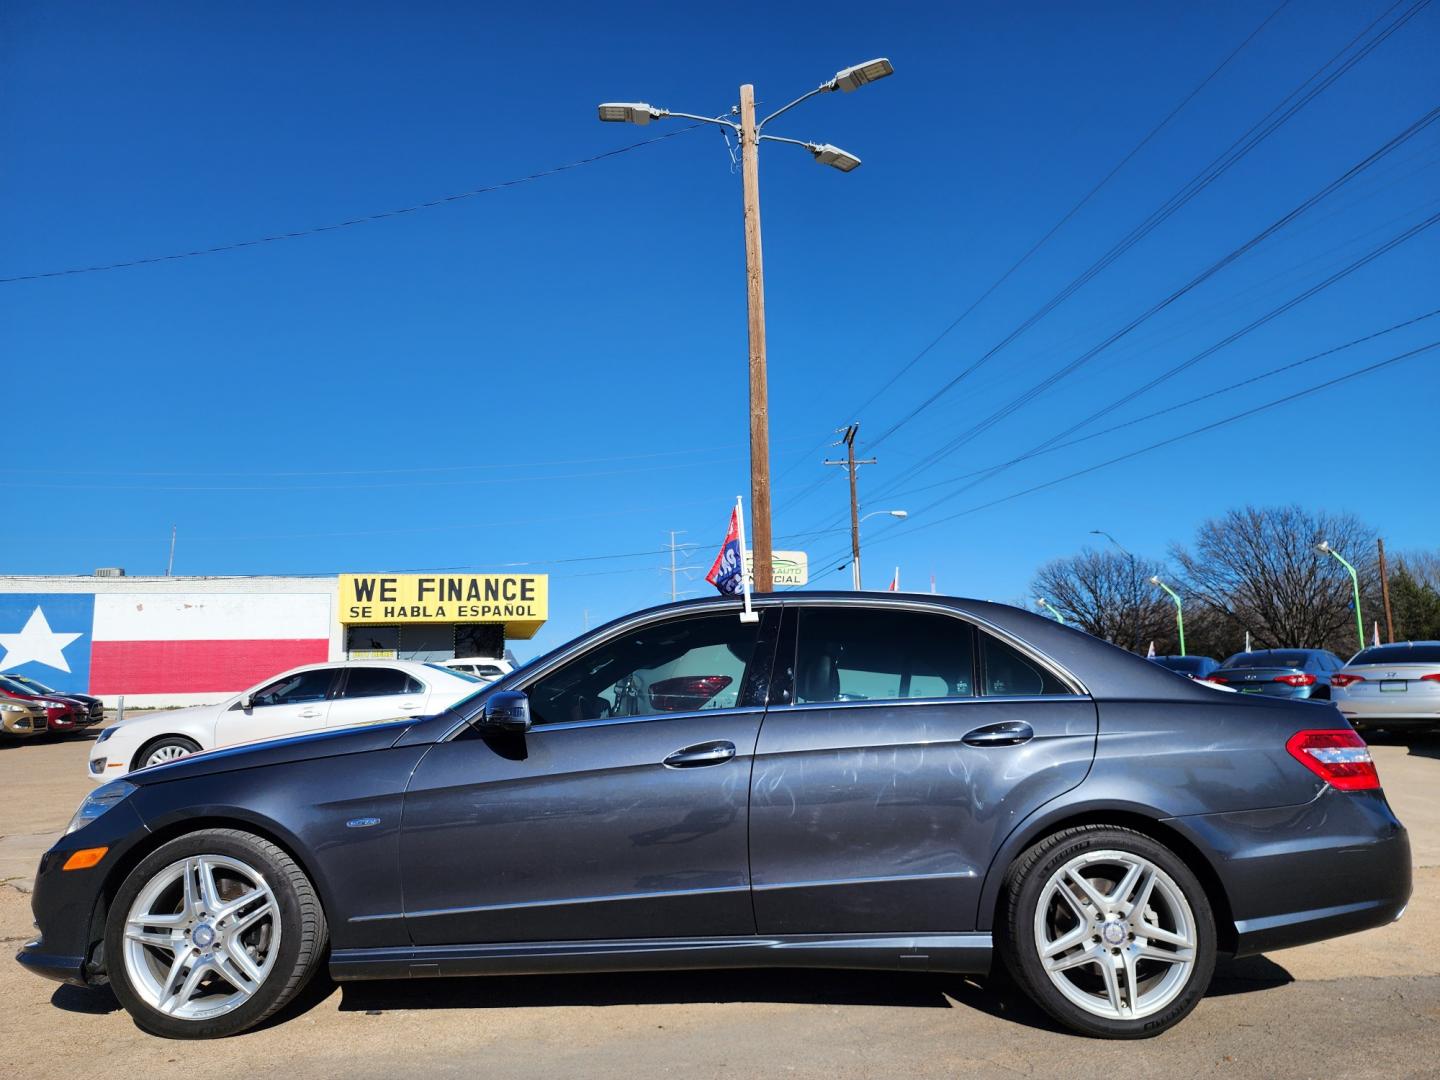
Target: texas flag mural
160	643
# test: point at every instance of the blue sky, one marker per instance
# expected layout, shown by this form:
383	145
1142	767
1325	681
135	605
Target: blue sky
557	370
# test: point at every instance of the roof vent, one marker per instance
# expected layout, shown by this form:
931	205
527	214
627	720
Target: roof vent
110	571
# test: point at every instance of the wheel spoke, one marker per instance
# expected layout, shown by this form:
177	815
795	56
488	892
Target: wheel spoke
240	971
192	903
1066	941
136	931
1112	985
1152	932
1165	956
1088	889
233	907
1136	908
1121	893
249	919
209	893
1132	982
177	966
188	987
1085	956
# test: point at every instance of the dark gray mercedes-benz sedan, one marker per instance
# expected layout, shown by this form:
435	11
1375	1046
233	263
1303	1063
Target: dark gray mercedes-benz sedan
849	780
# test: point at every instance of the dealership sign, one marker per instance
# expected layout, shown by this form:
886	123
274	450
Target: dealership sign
520	601
788	567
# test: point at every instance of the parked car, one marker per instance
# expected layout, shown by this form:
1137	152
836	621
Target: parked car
1391	686
1193	667
485	668
21	719
1287	673
61	713
854	780
91	709
94	707
308	698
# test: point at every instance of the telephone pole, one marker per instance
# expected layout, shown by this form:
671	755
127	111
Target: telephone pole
1385	594
851	464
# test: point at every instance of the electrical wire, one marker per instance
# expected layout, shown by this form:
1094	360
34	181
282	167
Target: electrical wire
429	204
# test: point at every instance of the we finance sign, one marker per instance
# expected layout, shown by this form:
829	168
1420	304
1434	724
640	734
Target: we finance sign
521	601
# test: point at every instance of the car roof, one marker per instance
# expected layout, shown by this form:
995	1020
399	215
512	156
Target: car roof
414	667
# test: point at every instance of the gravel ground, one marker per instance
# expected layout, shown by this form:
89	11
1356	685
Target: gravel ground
1363	1006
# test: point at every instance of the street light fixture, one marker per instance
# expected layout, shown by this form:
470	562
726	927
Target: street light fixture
1324	548
747	130
1179	613
899	515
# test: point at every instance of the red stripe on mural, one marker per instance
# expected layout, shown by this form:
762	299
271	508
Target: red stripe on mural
195	667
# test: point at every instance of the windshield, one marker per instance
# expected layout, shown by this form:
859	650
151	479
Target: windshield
1425	652
31	684
1268	658
16	687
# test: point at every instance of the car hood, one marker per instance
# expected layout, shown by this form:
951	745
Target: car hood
320	744
170	717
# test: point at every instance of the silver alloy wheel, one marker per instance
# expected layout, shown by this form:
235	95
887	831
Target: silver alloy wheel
1115	934
202	937
162	754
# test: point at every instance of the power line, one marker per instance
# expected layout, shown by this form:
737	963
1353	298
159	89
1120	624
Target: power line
1170	441
1028	395
429	204
1237	150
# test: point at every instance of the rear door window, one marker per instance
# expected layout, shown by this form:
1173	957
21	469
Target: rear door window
873	654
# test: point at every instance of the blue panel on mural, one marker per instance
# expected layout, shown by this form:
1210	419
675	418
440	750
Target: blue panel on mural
46	636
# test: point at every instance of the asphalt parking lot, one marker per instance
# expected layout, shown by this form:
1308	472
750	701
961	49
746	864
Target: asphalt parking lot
1367	1005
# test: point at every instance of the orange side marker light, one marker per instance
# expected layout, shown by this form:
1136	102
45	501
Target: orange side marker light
85	858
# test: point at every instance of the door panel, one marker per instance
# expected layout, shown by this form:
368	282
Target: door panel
879	819
291	705
582	832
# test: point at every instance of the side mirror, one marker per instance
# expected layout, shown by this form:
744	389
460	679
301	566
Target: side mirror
506	711
247	701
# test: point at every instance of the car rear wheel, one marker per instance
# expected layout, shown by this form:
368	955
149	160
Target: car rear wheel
1108	931
211	933
164	749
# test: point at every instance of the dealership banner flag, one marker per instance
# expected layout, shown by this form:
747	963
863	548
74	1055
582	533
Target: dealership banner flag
727	573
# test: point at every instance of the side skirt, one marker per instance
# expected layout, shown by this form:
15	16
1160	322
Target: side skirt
967	954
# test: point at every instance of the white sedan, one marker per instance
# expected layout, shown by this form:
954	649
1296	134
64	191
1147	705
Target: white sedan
308	698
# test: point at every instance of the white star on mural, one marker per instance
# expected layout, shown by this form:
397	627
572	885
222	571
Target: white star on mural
36	643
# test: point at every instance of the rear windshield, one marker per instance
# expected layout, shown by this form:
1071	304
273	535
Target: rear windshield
1268	658
1424	653
1190	665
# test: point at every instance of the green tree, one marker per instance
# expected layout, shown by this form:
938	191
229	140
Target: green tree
1416	606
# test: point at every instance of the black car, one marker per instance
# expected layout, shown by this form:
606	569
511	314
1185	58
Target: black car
1287	673
860	781
1193	667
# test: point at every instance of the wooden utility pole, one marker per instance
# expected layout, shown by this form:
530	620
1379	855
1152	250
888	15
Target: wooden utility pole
850	466
1385	594
760	542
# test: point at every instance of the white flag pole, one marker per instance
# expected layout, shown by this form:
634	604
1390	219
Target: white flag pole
747	615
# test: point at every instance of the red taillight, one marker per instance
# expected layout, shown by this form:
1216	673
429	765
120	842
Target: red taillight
1345	680
1431	678
1216	678
1339	757
1296	680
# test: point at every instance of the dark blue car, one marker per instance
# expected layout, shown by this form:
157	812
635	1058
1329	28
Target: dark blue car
1286	673
850	780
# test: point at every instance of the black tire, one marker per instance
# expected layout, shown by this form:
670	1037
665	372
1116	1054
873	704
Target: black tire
301	949
189	746
1024	886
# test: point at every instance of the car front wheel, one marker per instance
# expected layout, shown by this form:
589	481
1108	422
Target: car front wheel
165	749
211	933
1108	931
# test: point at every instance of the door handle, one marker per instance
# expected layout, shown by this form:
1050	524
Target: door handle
710	753
408	706
1009	733
309	713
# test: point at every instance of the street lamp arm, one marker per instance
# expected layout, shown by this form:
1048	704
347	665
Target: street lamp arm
661	113
812	147
822	88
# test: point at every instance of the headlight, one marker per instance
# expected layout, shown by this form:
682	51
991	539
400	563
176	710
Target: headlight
51	704
98	801
106	734
11	708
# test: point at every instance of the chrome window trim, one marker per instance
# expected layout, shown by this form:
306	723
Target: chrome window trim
897	703
722	605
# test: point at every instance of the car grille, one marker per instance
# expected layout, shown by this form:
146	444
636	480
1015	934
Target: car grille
40	723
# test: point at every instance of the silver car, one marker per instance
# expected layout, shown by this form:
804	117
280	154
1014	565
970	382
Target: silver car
1391	686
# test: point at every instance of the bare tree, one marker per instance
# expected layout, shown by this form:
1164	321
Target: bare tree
1258	570
1109	595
